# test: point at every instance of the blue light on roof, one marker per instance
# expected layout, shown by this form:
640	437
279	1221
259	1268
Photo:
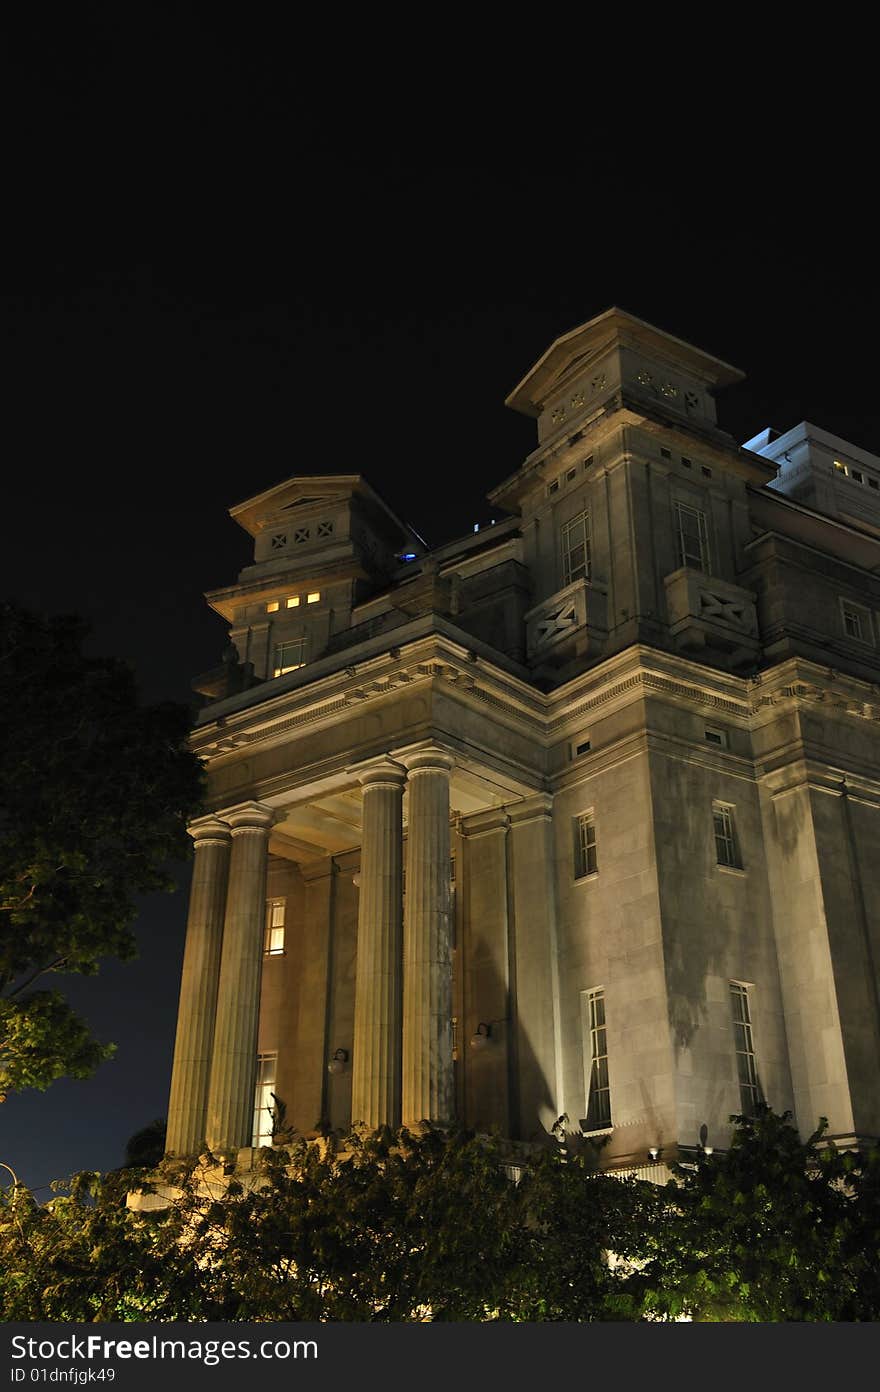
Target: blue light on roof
408	556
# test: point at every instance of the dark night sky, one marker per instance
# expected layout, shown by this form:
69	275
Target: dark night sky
210	285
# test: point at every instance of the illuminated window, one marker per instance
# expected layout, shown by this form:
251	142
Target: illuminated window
585	859
289	656
273	943
314	597
746	1065
726	845
293	602
273	607
575	537
841	467
264	1100
856	622
693	539
595	1047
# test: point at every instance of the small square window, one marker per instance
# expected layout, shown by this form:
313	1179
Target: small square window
588	461
272	607
857	475
570	474
314	597
712	735
553	487
279	541
840	466
293	602
301	534
705	471
325	529
665	453
872	482
686	462
856	622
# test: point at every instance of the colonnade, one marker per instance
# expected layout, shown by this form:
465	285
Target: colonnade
402	1047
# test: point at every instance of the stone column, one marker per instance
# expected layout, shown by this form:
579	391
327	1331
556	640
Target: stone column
375	1083
234	1060
428	1088
198	987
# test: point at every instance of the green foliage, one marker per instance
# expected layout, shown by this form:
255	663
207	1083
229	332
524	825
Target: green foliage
773	1229
405	1226
95	794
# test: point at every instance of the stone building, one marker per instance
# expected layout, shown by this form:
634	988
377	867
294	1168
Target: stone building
577	814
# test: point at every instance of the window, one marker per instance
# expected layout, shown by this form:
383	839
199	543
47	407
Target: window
598	1092
712	735
279	541
665	453
325	529
856	622
576	549
705	471
585	859
553	487
293	601
273	607
746	1066
726	847
300	535
314	597
570	474
264	1100
841	467
289	656
857	475
693	538
873	483
686	462
579	747
273	943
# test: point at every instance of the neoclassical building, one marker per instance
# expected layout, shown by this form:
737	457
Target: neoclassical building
577	814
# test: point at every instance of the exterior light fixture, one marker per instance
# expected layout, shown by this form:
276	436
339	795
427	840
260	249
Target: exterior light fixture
653	1151
480	1037
708	1150
338	1061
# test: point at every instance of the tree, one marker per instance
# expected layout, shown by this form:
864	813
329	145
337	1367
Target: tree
95	793
773	1229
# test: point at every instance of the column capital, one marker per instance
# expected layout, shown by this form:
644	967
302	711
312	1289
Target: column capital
426	757
208	831
382	772
250	816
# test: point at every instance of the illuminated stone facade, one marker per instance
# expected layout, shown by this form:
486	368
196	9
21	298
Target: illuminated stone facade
579	814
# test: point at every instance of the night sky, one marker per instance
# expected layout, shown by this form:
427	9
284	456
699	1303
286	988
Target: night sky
210	286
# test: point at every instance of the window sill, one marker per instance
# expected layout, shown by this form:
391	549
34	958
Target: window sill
595	1131
732	870
584	879
279	952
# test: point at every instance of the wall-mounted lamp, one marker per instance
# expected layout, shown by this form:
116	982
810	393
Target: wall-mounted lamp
653	1151
356	881
708	1150
480	1037
338	1061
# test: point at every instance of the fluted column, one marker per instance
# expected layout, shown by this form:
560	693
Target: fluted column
198	987
427	947
375	1081
234	1061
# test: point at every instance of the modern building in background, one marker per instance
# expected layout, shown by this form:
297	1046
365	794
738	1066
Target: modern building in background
578	814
